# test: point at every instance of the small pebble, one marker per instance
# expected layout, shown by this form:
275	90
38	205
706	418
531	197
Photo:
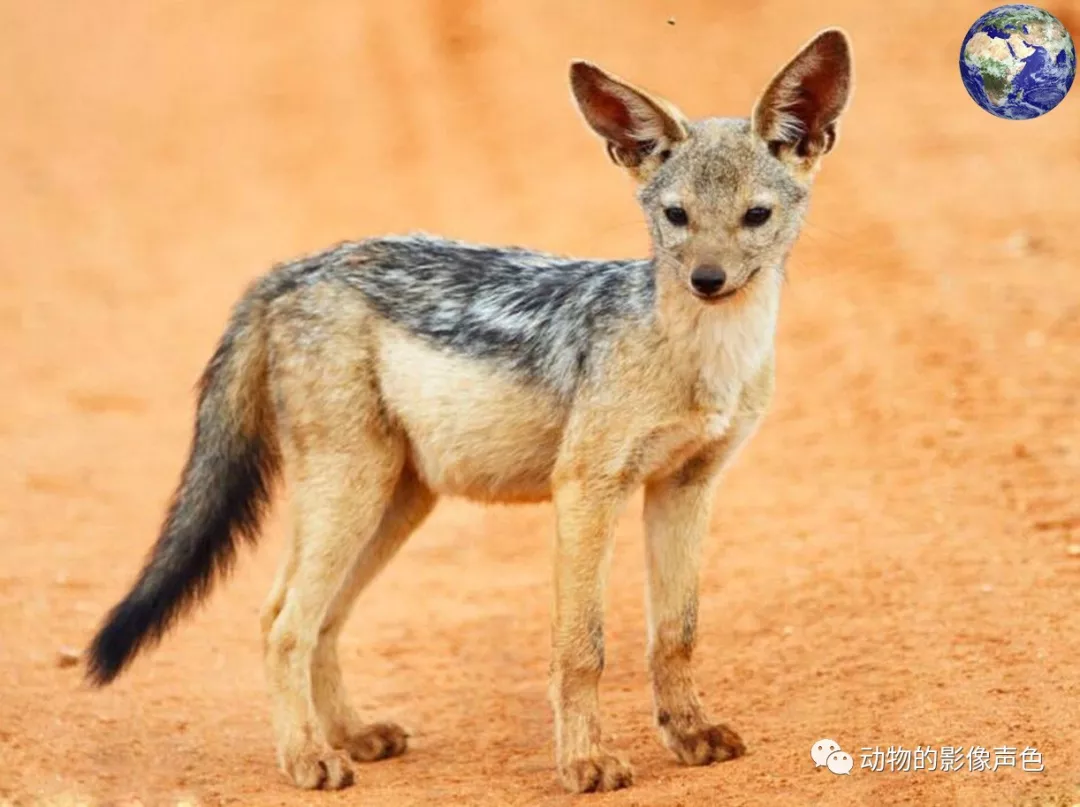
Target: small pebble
671	21
1019	243
67	657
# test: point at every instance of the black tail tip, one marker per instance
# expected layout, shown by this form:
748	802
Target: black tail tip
103	662
116	643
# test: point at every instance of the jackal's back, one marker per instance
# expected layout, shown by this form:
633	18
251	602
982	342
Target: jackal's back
539	315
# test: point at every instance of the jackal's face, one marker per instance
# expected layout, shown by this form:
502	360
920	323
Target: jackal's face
724	197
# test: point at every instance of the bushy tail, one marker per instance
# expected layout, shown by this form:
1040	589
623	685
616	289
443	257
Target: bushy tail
222	494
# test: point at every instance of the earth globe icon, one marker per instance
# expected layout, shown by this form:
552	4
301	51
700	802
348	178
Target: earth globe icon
1018	62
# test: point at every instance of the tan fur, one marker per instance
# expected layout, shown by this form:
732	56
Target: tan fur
486	456
410	423
375	424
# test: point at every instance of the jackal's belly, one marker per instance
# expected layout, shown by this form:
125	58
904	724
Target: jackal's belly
473	430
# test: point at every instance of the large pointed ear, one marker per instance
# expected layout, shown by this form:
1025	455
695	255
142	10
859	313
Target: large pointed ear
799	111
638	128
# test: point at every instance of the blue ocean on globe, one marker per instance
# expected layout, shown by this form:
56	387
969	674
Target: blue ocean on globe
1018	62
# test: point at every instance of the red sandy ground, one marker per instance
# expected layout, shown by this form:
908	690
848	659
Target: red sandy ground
890	560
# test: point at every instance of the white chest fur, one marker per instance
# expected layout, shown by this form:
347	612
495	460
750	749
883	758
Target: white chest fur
731	348
725	350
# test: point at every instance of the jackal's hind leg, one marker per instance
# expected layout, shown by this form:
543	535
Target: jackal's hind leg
365	742
342	494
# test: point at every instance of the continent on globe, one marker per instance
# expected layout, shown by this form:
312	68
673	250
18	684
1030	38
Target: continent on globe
1017	62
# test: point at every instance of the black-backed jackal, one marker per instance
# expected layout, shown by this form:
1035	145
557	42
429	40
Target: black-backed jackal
382	373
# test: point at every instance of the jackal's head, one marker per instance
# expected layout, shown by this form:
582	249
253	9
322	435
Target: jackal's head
724	197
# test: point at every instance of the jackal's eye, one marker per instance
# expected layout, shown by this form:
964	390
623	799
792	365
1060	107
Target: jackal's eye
676	215
756	216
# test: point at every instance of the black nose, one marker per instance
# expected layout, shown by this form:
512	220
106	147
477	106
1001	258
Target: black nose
708	280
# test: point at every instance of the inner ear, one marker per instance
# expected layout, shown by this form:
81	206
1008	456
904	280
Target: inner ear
634	124
799	110
635	153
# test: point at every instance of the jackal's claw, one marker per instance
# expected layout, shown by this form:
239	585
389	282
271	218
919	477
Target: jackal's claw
706	745
328	770
377	741
596	774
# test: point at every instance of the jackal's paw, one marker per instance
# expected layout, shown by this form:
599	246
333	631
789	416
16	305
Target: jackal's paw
596	774
376	741
705	745
320	770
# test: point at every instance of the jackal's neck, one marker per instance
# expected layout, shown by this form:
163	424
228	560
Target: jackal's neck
721	345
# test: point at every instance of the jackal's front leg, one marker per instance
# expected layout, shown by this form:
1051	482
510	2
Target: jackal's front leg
585	510
677	513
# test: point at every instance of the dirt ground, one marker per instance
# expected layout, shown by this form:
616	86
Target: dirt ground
894	560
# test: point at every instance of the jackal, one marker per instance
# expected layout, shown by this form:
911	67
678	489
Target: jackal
381	373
